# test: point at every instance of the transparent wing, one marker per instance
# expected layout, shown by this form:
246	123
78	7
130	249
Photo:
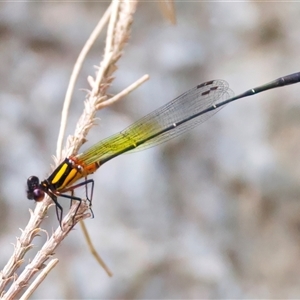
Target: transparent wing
179	115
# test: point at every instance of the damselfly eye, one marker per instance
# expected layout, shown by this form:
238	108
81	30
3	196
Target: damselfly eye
32	183
38	195
33	190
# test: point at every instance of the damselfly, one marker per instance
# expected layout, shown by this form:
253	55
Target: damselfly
179	115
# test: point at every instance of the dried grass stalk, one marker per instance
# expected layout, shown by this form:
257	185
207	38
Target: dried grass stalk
120	15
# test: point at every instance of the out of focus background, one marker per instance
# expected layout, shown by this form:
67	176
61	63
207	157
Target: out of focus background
212	214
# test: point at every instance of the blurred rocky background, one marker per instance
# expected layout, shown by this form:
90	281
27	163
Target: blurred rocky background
213	214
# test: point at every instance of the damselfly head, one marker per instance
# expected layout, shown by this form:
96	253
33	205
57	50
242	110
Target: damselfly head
34	191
